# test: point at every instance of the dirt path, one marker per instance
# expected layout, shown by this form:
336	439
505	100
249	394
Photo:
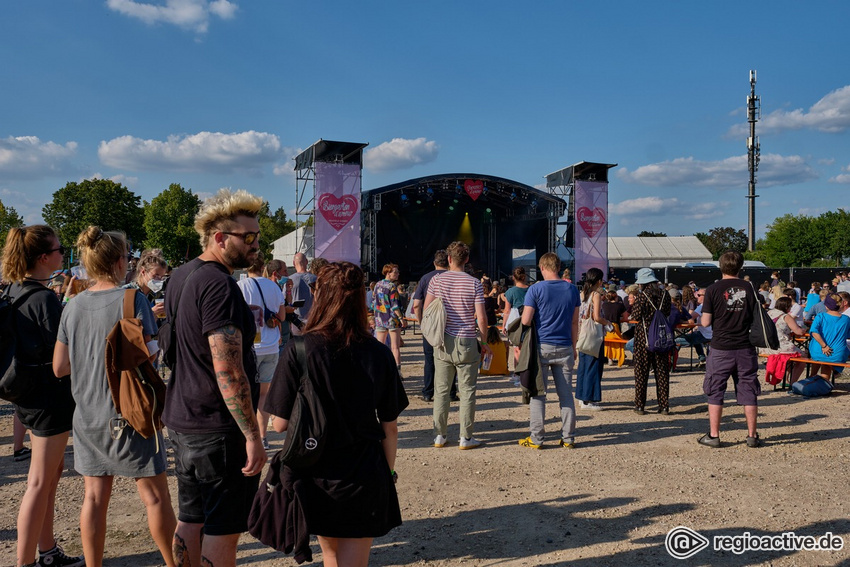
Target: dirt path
610	501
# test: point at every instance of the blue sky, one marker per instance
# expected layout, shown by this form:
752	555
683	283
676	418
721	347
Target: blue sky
222	93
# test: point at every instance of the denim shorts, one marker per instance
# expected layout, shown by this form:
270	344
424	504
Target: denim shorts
211	489
266	364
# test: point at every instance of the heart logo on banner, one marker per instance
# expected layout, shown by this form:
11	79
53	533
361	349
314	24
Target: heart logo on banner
338	211
473	188
591	221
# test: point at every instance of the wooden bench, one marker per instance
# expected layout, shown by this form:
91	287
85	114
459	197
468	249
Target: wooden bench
786	382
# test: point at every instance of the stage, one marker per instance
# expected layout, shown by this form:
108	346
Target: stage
405	223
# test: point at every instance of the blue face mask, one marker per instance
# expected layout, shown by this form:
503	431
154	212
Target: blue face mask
155	286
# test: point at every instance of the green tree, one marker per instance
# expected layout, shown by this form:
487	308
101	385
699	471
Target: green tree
651	234
9	218
99	202
792	240
272	226
834	226
722	238
170	224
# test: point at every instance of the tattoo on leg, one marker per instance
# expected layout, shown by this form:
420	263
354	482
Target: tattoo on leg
206	562
180	553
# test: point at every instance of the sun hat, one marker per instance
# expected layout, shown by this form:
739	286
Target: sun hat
645	276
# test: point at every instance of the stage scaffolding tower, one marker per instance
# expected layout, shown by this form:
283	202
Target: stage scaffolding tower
562	184
305	181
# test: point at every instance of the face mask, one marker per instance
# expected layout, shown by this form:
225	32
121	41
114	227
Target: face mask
155	286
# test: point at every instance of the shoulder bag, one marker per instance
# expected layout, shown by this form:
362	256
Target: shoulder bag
762	332
306	436
590	333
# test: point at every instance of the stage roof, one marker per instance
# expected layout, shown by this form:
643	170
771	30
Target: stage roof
330	151
583	170
500	193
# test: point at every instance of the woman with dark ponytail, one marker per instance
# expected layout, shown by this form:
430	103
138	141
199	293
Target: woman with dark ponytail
30	257
348	497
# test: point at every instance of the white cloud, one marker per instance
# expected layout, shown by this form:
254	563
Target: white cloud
188	14
286	167
125	180
27	157
204	151
728	173
829	114
843	178
400	153
636	211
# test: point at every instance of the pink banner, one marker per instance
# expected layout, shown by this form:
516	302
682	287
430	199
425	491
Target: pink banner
591	227
337	219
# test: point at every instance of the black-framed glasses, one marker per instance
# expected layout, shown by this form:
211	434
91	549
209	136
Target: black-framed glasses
248	237
61	250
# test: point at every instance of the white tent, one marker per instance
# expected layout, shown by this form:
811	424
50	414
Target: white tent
641	251
284	247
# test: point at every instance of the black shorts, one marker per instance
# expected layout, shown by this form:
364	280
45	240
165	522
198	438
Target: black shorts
49	410
211	489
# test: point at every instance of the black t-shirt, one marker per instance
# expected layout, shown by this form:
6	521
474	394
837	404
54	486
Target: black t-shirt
730	303
209	300
37	322
612	311
362	380
422	286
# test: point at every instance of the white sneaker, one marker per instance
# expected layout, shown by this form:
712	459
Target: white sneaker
439	441
468	443
591	406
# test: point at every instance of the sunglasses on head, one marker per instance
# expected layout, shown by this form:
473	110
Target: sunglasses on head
248	237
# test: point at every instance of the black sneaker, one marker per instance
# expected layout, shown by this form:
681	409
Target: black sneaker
709	441
753	442
640	411
56	558
22	454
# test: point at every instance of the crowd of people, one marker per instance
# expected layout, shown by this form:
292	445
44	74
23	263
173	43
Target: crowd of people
236	372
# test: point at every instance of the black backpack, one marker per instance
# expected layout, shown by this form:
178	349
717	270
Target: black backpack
14	385
306	435
659	334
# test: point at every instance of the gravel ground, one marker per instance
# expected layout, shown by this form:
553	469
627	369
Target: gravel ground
609	501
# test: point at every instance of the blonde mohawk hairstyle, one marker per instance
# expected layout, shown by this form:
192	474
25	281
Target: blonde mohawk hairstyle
219	211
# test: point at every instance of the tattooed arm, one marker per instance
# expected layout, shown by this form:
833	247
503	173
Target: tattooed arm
226	349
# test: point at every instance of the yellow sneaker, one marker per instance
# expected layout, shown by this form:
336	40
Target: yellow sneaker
527	442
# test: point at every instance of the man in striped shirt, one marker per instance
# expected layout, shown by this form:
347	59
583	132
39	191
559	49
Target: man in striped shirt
463	300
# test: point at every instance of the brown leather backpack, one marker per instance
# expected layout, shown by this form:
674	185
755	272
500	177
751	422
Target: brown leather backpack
137	390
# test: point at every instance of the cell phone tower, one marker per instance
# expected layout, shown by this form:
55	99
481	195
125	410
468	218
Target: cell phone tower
753	158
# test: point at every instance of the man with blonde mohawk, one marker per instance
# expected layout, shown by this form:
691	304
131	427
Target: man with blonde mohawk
211	405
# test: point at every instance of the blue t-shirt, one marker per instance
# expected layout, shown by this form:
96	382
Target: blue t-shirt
554	303
834	331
